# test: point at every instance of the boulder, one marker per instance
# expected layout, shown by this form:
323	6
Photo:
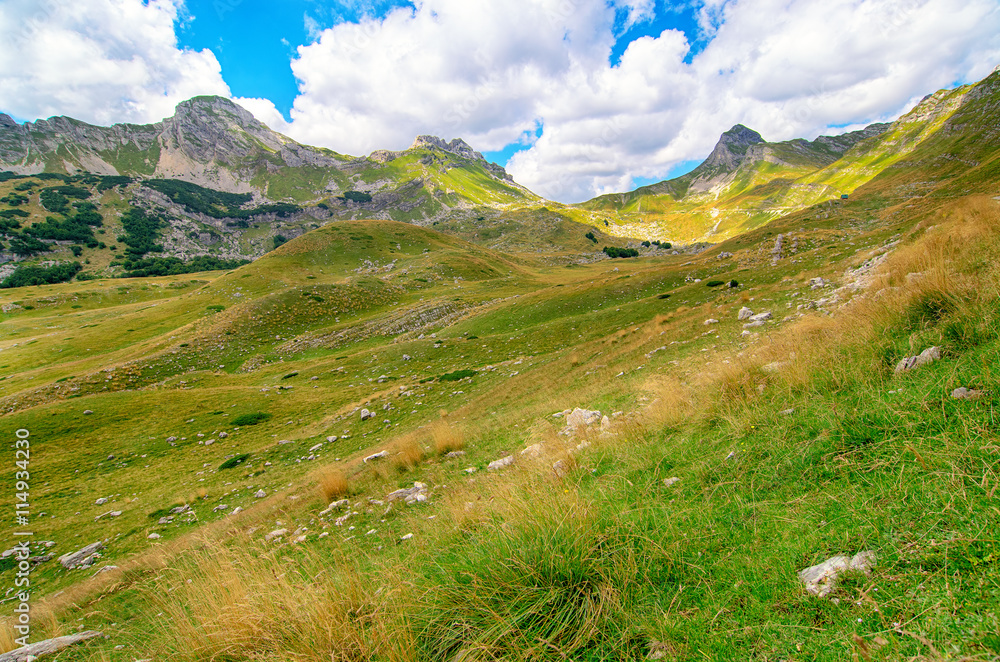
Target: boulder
710	321
745	313
376	456
82	558
929	355
761	317
365	415
260	494
821	580
48	647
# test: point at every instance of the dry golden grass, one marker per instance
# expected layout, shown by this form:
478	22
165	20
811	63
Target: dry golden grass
410	452
446	437
234	603
333	484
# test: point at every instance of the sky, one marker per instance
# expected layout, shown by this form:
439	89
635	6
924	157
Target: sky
576	98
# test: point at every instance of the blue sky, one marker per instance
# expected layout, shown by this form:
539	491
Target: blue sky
255	44
575	98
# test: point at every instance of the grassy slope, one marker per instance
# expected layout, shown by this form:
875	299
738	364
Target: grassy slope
608	558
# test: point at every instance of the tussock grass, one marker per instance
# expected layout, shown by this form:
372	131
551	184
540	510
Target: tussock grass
332	483
446	437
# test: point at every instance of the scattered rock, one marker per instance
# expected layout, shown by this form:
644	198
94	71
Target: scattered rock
725	255
154	536
454	454
316	447
365	415
745	313
582	417
171	440
82	558
87	412
223	435
336	505
48	647
962	393
406	537
605	424
929	355
816	283
761	317
260	494
410	494
274	535
559	468
501	463
670	482
376	456
237	509
221	506
754	325
534	450
821	580
100	502
711	321
331	439
786	412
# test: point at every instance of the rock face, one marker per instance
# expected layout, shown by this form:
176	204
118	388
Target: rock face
821	580
82	558
929	355
209	140
48	647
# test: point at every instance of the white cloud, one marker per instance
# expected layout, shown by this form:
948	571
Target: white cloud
101	61
488	72
493	72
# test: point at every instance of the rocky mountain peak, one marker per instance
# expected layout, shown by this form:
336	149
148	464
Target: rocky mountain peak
732	147
457	146
7	121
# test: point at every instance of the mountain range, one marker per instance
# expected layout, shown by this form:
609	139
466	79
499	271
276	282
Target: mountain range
214	144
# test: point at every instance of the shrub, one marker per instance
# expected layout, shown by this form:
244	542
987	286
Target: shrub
291	374
734	283
77	250
646	244
215	308
279	240
234	461
29	275
590	235
614	251
456	376
715	283
356	196
251	419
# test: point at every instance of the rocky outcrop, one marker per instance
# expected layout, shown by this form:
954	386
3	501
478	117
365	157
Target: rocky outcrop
48	647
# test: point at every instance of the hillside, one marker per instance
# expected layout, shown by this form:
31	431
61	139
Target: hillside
747	182
480	437
251	516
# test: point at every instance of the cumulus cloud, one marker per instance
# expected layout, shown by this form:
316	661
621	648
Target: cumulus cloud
493	73
101	61
489	72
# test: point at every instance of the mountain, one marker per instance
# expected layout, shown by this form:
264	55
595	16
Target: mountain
747	182
738	179
213	142
219	184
